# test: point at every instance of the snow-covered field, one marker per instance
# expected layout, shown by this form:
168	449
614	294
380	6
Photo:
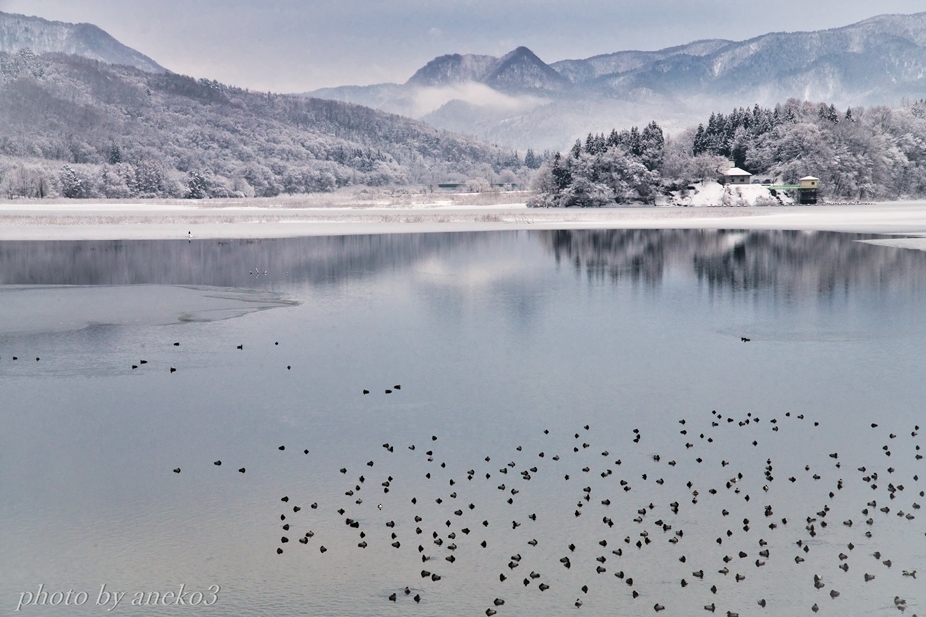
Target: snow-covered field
278	218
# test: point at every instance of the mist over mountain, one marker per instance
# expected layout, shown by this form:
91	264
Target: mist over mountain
520	101
19	32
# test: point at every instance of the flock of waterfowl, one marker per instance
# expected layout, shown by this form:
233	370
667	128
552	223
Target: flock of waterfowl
750	535
747	530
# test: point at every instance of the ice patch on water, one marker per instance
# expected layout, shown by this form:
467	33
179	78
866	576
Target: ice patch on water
916	244
29	309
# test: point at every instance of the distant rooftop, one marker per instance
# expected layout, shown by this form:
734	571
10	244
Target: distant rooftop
736	171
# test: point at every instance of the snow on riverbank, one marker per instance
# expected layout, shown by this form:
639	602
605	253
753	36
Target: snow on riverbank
706	194
270	219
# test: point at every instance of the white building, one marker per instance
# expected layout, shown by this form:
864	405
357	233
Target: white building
735	175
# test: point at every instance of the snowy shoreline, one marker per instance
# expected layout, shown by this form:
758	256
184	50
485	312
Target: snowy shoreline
101	220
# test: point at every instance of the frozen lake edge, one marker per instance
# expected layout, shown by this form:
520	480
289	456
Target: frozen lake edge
280	219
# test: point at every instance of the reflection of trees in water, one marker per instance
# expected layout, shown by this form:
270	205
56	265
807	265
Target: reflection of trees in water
637	255
787	261
219	263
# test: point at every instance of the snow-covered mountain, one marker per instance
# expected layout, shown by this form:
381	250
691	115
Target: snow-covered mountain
519	70
520	101
874	61
76	127
42	36
522	70
453	68
582	71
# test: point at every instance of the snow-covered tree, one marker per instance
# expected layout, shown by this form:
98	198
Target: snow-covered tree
196	186
597	174
74	185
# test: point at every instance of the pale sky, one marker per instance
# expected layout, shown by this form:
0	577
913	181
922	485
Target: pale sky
300	45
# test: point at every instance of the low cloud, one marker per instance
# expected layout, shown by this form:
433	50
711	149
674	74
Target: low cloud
429	99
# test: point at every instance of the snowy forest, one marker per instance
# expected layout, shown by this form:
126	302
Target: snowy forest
858	154
77	128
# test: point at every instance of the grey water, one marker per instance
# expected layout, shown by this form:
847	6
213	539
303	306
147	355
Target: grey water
506	346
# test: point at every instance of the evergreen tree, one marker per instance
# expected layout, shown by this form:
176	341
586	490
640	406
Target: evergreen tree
633	142
562	177
73	185
700	147
531	161
196	186
828	113
576	149
652	146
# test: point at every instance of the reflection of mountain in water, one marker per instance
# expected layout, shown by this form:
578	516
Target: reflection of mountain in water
787	261
218	263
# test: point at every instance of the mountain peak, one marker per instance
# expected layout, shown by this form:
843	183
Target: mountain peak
453	68
43	36
521	50
521	69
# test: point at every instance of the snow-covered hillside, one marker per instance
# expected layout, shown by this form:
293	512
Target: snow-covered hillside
710	193
42	36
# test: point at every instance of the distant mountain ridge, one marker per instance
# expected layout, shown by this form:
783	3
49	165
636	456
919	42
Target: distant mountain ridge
579	71
880	60
19	32
79	128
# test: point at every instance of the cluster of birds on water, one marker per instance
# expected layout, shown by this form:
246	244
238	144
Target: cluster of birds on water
766	536
174	369
648	523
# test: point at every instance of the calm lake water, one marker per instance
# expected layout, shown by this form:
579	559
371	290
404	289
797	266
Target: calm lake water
614	358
